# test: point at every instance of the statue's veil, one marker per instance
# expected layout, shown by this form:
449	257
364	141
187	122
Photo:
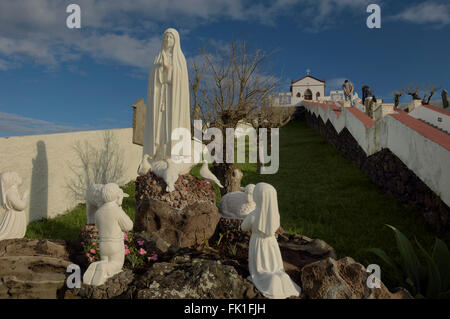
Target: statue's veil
268	219
180	118
7	179
2	192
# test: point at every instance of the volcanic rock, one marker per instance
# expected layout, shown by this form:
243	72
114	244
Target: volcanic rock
185	217
32	268
342	279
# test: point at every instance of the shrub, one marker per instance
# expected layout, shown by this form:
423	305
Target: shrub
427	277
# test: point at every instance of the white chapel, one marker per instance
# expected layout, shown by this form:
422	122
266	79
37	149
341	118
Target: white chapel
306	88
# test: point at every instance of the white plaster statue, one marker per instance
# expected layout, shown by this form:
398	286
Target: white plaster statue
165	169
14	222
111	222
169	171
93	202
168	97
238	204
264	256
208	175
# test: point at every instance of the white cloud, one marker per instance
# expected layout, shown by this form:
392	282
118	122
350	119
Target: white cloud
426	13
12	124
325	14
121	48
128	32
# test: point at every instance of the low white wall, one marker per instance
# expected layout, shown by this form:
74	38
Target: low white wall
429	115
426	158
46	163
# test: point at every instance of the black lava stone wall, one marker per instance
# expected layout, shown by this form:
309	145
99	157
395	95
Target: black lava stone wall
389	173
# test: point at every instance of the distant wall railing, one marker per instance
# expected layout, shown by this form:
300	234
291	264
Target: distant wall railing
424	149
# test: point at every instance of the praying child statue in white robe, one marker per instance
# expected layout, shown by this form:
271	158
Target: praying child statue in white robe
264	256
111	222
13	224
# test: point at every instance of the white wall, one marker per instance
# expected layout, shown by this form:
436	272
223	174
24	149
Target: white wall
426	158
44	162
440	119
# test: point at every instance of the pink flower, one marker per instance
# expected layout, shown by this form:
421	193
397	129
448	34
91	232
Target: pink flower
125	236
142	251
92	251
91	259
127	251
126	246
94	243
153	258
140	242
88	255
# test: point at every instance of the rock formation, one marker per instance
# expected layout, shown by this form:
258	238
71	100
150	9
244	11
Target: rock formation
32	268
185	217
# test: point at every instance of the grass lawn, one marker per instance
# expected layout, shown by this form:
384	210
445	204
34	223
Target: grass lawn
68	226
321	194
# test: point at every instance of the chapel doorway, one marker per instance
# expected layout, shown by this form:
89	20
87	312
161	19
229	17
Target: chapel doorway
308	95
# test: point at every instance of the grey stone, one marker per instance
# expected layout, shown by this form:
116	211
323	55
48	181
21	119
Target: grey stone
342	279
32	268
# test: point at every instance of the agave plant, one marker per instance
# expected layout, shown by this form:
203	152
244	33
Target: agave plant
429	280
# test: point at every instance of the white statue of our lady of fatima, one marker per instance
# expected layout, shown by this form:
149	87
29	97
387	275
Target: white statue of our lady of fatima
168	104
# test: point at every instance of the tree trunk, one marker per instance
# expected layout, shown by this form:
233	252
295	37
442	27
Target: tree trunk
228	174
225	172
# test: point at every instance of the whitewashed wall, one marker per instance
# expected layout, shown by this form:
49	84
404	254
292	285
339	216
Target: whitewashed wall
440	119
426	158
44	162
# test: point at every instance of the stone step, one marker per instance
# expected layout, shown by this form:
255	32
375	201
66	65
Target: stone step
436	127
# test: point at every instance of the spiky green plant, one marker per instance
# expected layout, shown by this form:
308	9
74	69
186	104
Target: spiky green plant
429	280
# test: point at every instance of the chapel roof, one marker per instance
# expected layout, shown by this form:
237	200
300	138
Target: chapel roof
307	76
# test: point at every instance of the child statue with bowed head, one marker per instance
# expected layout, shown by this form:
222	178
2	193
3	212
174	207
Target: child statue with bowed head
14	222
111	222
264	256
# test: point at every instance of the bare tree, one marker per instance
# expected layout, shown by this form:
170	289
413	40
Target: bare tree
97	165
270	116
413	90
429	91
397	95
444	97
227	88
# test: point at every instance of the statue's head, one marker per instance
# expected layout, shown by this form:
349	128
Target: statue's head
9	179
170	38
113	193
265	197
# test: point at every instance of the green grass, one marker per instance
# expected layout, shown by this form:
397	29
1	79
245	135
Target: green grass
321	194
68	226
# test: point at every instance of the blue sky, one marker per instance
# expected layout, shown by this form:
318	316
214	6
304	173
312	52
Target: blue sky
53	79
